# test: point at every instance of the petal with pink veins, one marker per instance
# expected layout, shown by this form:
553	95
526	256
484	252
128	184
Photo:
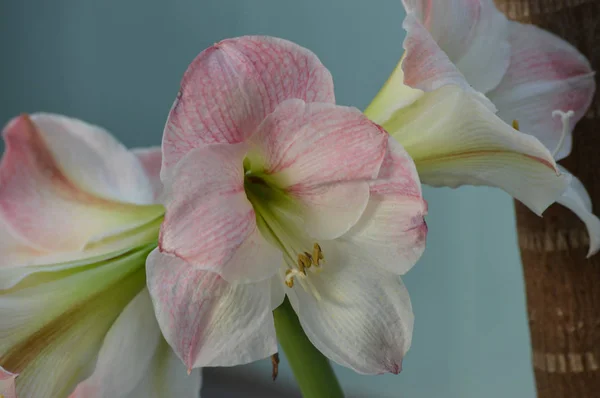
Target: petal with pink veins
210	222
545	74
323	155
232	86
392	231
41	200
208	321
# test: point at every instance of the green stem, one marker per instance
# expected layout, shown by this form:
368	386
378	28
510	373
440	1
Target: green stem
312	370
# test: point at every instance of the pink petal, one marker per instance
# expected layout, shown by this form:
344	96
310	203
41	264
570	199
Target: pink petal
209	221
151	159
471	34
546	73
323	155
230	87
392	231
41	204
425	65
206	320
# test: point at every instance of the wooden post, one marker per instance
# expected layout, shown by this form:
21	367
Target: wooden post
563	287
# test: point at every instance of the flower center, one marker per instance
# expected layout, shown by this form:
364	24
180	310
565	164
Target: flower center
279	223
306	261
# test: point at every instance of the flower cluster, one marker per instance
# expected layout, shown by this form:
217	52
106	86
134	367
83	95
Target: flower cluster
124	272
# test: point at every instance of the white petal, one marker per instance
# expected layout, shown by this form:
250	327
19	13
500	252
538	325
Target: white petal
94	160
52	356
126	353
578	201
206	320
168	377
455	140
362	318
472	33
48	294
545	74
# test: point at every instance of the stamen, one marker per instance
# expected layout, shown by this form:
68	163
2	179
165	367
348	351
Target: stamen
317	254
565	118
304	262
290	274
515	125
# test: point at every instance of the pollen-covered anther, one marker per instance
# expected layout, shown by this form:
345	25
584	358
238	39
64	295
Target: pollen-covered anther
317	255
290	274
304	262
515	125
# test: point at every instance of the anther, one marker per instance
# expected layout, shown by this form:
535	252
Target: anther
515	125
317	254
304	262
289	276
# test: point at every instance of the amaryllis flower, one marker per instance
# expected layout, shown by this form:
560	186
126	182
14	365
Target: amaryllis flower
465	61
78	217
273	190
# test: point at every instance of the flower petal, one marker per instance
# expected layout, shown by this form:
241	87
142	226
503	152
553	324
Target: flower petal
92	159
45	295
472	34
135	361
43	206
126	353
578	201
545	74
362	318
392	231
209	221
394	95
151	159
425	65
455	140
230	87
167	377
54	354
208	321
323	155
20	260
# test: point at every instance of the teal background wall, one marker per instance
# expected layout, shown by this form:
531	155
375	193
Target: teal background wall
117	63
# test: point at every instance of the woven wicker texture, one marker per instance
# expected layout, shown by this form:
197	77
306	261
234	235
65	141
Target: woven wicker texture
563	287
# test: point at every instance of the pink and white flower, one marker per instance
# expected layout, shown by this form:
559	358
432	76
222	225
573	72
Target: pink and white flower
463	62
79	214
272	190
